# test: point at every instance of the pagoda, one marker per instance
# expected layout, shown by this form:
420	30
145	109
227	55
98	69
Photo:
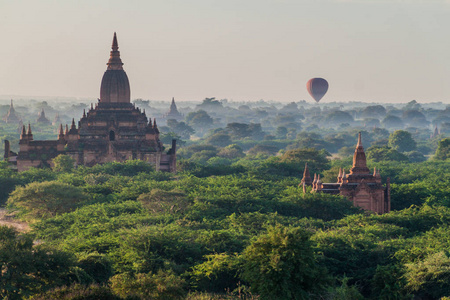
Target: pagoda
362	187
11	117
173	112
42	119
111	130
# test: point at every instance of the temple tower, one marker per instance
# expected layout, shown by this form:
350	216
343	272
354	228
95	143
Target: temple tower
173	112
42	119
306	176
11	117
115	87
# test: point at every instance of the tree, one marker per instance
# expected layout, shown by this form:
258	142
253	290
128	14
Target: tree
402	141
160	286
316	159
281	132
373	111
263	149
63	163
219	139
337	117
182	129
443	150
210	104
231	151
415	156
391	121
378	154
160	201
281	265
26	269
167	138
47	199
429	278
217	274
200	120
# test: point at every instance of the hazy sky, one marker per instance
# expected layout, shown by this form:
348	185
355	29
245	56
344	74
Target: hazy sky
368	50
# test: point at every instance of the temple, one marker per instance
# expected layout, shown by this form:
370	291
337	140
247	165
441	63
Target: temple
42	119
112	130
11	117
362	187
173	112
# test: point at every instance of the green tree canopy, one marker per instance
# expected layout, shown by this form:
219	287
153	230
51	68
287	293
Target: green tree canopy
443	150
281	265
315	158
26	269
63	163
402	141
46	199
378	154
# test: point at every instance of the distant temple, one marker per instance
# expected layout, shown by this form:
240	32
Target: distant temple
113	130
11	117
42	119
436	132
173	112
57	120
364	189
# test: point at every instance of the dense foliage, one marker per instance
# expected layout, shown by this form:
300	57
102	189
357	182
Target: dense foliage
233	222
143	233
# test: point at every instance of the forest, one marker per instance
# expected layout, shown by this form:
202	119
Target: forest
233	222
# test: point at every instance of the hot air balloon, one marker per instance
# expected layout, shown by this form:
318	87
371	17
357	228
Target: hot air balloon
317	88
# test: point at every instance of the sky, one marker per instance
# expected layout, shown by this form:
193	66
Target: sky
241	50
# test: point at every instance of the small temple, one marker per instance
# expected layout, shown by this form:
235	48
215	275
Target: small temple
11	117
436	133
111	130
362	187
57	120
173	112
42	119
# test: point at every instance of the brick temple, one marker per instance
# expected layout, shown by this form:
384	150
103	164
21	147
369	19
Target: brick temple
111	130
363	188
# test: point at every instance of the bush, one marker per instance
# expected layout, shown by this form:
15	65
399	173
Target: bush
281	265
161	286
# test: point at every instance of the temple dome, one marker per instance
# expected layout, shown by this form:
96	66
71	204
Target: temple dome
115	87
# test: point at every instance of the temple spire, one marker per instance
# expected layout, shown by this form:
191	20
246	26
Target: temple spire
23	135
115	45
115	63
61	132
29	133
306	176
359	159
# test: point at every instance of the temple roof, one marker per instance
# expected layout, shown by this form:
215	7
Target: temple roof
115	87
